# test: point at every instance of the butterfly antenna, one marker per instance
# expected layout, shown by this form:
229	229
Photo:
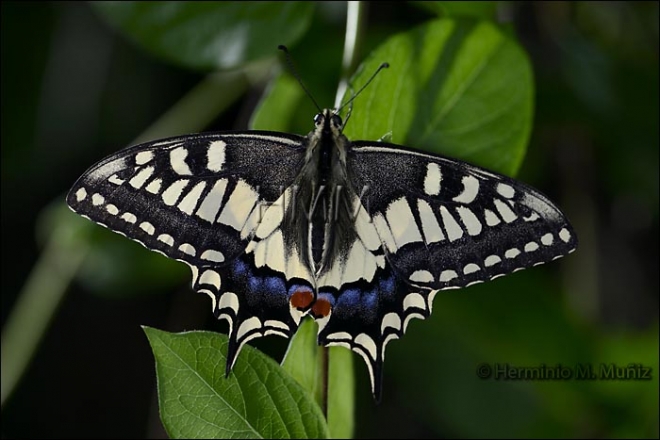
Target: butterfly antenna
294	72
381	67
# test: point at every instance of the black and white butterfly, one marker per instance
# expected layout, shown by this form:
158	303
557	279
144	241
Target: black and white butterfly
359	235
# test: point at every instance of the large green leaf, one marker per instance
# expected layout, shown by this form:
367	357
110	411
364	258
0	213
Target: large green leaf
258	399
209	35
455	87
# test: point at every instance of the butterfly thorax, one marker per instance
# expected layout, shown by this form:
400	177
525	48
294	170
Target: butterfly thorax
319	214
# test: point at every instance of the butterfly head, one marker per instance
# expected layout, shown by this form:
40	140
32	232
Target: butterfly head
328	122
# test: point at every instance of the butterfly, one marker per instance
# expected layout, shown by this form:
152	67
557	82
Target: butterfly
359	235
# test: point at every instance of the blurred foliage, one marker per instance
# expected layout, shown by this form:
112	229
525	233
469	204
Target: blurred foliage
208	35
74	91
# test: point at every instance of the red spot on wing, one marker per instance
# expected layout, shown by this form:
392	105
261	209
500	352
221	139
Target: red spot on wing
302	299
321	308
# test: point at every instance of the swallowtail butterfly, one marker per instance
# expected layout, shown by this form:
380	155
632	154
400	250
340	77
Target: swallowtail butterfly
360	235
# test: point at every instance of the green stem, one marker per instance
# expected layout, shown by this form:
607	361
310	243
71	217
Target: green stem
355	25
325	362
51	275
199	107
37	303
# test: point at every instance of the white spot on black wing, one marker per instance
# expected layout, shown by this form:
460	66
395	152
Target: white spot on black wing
531	246
505	190
97	199
421	276
505	212
471	222
148	228
116	180
432	179
491	218
141	177
547	239
112	209
143	157
239	206
454	230
448	275
402	223
470	190
81	194
208	210
178	161
216	156
129	217
492	260
167	239
173	192
188	248
212	255
471	268
154	186
191	199
430	225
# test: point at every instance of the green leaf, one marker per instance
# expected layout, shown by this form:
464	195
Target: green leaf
278	105
304	361
257	400
209	35
454	87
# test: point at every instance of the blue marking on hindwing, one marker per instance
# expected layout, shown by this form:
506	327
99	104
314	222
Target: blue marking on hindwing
274	284
387	286
365	302
258	285
299	288
240	268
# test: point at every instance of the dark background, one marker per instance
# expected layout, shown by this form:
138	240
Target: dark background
74	91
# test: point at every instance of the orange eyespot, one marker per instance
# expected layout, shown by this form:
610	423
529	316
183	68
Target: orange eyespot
302	299
321	308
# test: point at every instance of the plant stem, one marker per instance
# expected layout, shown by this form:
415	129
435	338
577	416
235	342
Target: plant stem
198	107
355	20
325	362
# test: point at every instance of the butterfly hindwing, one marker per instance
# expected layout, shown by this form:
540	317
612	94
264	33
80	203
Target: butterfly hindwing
202	199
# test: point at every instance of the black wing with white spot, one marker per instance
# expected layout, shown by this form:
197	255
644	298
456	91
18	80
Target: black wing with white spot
430	223
210	200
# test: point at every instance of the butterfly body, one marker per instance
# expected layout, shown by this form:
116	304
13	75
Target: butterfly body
359	235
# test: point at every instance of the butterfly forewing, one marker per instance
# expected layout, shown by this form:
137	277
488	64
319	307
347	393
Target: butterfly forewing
202	199
446	223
